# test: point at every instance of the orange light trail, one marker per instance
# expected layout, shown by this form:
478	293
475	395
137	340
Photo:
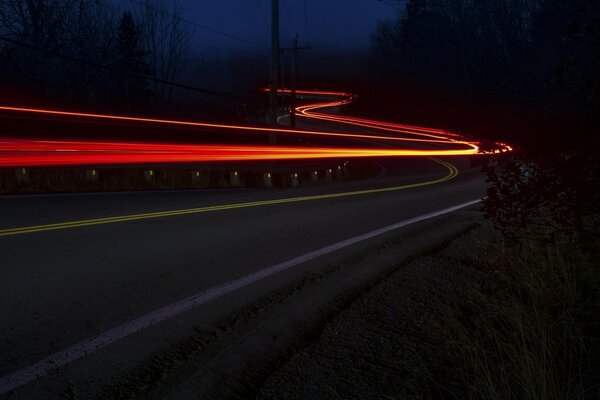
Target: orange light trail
22	153
59	153
236	128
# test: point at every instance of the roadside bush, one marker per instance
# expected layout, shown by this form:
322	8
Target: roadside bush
545	197
530	327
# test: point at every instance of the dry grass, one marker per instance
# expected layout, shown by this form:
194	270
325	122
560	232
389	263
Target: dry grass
523	333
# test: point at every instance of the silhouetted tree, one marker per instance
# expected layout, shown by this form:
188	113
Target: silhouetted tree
166	38
131	60
512	66
576	82
39	23
41	28
528	70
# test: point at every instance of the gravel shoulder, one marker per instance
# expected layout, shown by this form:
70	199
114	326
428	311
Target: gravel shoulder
388	344
365	329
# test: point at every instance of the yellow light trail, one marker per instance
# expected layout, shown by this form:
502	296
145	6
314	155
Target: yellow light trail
21	153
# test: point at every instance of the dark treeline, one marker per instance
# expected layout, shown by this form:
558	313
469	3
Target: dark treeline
137	57
525	70
103	55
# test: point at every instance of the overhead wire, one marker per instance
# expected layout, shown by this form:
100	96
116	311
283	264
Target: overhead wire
394	6
201	26
114	68
289	17
306	21
262	14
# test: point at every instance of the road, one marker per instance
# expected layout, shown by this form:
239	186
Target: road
93	284
62	286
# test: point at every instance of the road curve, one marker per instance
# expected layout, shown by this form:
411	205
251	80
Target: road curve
402	140
77	265
73	268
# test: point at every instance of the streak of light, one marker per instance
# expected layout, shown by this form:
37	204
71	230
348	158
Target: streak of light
236	128
20	153
59	153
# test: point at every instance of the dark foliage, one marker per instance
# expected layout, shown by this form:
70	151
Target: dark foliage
131	60
546	197
526	71
98	55
522	71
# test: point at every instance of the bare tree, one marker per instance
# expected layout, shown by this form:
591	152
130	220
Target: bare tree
43	30
166	39
44	39
40	22
91	37
37	23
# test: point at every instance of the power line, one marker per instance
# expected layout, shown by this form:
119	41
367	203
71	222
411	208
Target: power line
306	21
201	26
289	17
112	68
262	14
394	6
105	92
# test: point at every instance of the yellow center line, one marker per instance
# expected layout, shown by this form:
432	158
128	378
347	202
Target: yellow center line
452	173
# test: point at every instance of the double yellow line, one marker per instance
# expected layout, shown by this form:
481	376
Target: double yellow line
452	173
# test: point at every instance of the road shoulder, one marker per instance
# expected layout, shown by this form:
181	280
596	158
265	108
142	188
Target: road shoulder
389	343
278	357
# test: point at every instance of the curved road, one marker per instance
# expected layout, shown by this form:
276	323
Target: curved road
88	270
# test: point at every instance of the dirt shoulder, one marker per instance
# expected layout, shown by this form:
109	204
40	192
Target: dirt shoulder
441	311
346	332
388	343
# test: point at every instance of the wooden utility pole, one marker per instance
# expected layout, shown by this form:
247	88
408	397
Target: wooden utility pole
294	71
296	49
276	70
275	64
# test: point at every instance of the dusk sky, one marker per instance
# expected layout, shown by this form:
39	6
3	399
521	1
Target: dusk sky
341	24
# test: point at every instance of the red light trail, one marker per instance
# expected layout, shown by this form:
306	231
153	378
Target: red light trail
23	153
47	153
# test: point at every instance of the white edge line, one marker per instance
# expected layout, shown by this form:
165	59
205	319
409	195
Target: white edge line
81	349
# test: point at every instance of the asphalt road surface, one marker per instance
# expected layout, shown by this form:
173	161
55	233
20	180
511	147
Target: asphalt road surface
62	284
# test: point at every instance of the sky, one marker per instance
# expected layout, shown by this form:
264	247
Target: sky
340	24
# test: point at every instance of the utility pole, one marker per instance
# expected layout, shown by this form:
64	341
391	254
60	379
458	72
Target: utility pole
294	71
296	49
275	65
276	70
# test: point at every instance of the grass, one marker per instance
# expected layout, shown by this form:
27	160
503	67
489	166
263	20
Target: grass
529	327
